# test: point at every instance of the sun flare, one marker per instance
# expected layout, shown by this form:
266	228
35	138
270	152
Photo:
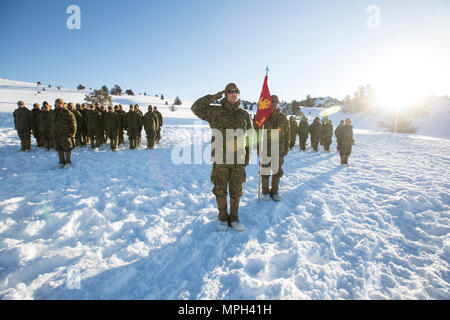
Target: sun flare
402	77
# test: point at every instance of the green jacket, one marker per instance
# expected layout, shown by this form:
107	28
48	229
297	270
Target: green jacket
22	119
303	129
44	121
347	135
93	118
160	118
151	122
65	124
293	126
220	118
134	120
328	132
315	129
112	121
277	121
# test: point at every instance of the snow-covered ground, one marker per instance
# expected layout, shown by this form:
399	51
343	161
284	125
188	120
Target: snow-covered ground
135	225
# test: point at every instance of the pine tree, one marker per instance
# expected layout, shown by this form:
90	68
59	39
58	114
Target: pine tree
177	101
116	91
399	123
129	92
101	96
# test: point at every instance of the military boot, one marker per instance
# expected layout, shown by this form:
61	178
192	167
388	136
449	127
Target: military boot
234	215
223	213
275	187
68	164
62	160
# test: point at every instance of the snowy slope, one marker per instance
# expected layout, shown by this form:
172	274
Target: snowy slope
135	225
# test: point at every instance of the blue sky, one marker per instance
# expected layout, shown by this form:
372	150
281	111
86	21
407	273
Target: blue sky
191	48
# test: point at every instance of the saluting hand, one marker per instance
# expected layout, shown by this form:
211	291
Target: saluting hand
218	95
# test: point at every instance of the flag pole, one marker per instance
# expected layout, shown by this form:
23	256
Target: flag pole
260	135
260	153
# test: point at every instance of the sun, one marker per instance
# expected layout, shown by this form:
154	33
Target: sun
402	77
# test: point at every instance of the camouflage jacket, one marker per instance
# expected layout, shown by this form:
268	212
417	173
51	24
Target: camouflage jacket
93	118
112	121
64	124
134	120
222	118
293	126
44	121
303	129
278	121
160	118
22	119
315	129
151	123
347	135
338	133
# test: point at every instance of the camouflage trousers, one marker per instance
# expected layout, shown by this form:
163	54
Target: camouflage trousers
46	139
158	135
303	142
315	143
151	137
113	138
292	141
133	137
63	143
92	134
345	149
276	176
228	177
25	139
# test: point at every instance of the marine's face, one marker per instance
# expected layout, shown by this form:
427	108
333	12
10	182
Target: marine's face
232	96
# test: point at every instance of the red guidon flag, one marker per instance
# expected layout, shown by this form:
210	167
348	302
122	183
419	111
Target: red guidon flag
265	107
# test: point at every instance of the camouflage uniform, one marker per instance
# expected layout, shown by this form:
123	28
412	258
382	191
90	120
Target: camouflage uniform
22	123
35	123
84	130
160	124
64	129
293	131
44	126
303	132
93	118
226	176
122	122
141	123
328	134
315	131
151	124
79	119
276	121
112	125
337	134
346	142
133	125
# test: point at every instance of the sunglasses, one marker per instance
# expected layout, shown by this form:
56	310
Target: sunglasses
233	91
